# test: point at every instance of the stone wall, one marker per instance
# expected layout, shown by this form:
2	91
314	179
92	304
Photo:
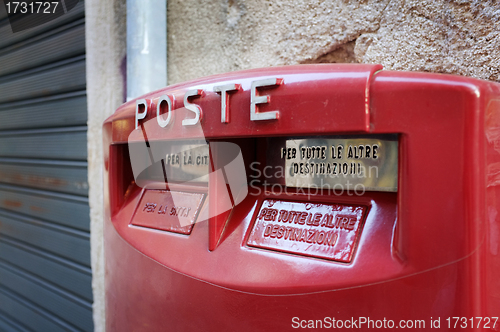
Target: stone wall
456	37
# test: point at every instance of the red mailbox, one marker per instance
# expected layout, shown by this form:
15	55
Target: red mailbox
315	196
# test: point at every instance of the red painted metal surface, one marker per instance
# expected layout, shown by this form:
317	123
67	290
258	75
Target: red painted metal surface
429	251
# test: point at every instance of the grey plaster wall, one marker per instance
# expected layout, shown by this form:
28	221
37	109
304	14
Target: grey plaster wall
105	47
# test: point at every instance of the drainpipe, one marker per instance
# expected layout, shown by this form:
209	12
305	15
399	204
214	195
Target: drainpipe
146	46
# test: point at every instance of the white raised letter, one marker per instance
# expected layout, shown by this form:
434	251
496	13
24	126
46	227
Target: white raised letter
254	99
224	97
141	115
192	107
163	122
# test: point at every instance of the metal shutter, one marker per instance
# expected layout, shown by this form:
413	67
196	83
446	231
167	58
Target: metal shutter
45	276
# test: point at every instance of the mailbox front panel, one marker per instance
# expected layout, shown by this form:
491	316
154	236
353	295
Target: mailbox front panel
262	199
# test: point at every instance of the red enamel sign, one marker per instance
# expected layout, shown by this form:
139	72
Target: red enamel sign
329	231
168	210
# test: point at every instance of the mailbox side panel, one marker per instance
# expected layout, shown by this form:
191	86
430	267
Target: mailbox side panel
449	189
491	264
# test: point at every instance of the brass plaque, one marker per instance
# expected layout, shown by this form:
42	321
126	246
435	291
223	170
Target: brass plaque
341	163
168	210
184	162
169	161
329	231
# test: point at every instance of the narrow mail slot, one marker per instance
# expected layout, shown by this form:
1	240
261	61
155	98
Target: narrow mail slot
167	210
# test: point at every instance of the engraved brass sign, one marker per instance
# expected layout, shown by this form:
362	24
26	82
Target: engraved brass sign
169	161
187	161
347	163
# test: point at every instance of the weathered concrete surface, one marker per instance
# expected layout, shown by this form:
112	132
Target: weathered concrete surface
105	44
209	37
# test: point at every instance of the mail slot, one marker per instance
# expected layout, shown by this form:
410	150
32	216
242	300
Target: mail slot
311	196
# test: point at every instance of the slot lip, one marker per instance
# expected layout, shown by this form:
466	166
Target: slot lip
373	251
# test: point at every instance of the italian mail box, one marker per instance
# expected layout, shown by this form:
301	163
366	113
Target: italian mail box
315	196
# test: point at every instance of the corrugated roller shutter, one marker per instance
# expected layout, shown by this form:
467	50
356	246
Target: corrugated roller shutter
45	276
